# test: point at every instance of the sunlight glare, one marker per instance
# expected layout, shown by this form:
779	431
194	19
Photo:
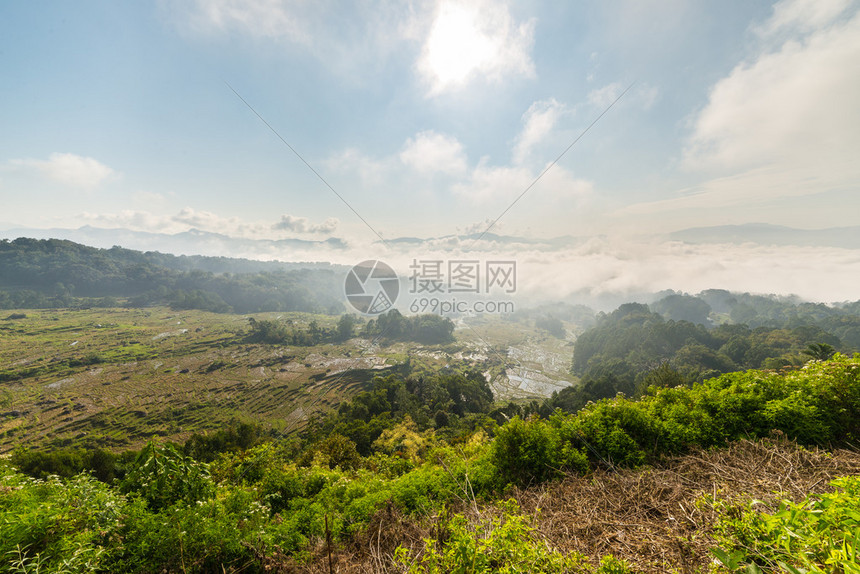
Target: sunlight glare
456	45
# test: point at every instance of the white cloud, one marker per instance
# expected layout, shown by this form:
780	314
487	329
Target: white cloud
783	123
792	16
487	182
600	270
303	225
266	18
469	39
208	221
763	186
148	198
354	41
796	106
609	267
451	41
538	121
602	97
611	270
429	152
481	226
369	171
69	169
130	219
642	95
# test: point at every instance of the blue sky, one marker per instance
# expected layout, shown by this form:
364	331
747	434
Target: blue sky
429	118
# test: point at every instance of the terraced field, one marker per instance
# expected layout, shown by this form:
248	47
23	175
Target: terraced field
117	377
523	362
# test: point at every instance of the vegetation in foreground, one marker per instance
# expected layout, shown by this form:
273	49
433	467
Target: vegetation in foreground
274	505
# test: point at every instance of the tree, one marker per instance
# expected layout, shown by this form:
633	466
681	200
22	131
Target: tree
552	325
337	451
683	308
819	351
345	325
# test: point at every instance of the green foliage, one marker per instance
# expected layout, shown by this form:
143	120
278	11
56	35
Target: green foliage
345	327
817	405
552	325
163	476
678	307
335	451
532	451
626	345
819	351
51	526
506	543
238	436
635	335
820	534
66	463
170	514
420	397
55	273
429	329
202	537
287	333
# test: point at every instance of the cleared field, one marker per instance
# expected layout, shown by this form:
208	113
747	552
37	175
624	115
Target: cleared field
118	377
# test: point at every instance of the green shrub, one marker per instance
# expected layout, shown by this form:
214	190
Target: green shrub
505	544
163	476
48	525
203	537
820	534
532	451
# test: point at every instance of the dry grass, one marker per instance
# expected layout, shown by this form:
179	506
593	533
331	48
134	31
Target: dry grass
648	517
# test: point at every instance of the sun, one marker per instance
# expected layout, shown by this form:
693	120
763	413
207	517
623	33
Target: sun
456	46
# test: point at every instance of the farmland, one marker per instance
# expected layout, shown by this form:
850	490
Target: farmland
118	377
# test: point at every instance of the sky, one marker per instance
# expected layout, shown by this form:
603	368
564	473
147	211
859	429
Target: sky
275	119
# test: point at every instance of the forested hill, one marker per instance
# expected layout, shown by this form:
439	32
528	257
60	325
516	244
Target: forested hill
38	273
681	339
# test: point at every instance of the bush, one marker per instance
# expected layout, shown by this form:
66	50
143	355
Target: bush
162	476
817	535
506	543
48	525
532	451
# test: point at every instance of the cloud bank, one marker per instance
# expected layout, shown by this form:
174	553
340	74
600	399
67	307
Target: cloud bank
68	169
784	122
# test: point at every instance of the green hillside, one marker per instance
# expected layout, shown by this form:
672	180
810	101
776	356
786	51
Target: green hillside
428	496
53	273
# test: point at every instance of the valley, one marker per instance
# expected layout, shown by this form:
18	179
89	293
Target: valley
116	378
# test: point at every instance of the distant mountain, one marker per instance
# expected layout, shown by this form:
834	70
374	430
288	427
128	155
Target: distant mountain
766	234
500	240
197	242
192	242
